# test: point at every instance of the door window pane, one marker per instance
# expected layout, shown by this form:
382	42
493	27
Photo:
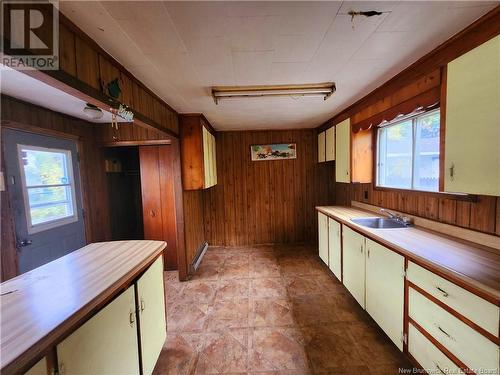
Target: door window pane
48	187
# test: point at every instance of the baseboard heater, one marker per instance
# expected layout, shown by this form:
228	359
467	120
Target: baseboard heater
198	258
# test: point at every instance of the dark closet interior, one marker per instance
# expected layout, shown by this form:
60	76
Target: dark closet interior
124	193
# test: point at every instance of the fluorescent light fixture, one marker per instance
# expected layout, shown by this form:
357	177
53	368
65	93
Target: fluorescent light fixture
324	90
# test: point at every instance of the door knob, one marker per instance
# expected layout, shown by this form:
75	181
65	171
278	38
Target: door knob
24	243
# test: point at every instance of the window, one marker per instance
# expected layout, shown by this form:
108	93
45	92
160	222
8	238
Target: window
408	153
48	187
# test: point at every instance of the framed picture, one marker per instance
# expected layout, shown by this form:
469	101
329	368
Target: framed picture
277	151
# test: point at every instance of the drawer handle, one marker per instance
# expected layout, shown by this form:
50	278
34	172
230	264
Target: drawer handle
131	318
446	333
439	368
361	248
143	305
444	292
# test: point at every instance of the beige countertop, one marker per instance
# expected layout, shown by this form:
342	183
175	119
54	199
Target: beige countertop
476	265
41	306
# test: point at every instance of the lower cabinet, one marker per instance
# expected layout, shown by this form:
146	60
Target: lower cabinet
353	253
106	344
334	248
385	276
323	237
109	342
153	326
428	356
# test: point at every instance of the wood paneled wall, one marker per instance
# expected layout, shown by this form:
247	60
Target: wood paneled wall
257	202
194	225
482	214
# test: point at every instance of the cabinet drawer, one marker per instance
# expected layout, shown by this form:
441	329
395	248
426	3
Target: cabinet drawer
469	346
428	356
478	310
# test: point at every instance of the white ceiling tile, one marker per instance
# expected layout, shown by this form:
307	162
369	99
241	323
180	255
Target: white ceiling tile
180	49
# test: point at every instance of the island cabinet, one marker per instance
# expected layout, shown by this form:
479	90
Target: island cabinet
198	152
152	323
98	310
109	342
106	344
472	126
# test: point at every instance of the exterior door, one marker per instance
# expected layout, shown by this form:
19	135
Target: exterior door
44	188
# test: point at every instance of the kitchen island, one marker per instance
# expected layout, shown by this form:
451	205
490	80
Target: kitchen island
60	314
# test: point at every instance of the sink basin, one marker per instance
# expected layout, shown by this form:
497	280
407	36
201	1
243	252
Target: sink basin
378	222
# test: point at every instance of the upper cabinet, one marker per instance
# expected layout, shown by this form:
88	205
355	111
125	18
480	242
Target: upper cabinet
326	145
343	151
330	144
198	153
321	147
472	129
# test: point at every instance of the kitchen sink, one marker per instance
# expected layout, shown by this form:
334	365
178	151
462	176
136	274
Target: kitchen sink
379	222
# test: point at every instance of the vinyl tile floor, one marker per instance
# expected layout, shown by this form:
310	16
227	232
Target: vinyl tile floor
273	309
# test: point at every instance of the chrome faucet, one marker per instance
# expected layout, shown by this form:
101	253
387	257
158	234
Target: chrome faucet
401	219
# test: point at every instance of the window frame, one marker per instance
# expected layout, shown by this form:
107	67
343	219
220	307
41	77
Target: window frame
398	120
37	228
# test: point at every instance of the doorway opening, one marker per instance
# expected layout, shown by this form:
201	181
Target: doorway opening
124	193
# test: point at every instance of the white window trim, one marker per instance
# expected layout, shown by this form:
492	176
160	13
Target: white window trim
396	121
37	228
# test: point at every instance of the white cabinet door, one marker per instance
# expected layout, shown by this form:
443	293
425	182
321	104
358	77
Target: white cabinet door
334	248
385	289
330	144
472	128
214	161
206	156
343	151
321	147
153	327
39	369
106	344
353	259
323	237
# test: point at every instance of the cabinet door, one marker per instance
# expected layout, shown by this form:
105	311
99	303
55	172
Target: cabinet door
323	237
106	344
472	128
353	262
39	369
206	156
343	151
334	248
330	144
321	147
153	328
385	282
214	161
